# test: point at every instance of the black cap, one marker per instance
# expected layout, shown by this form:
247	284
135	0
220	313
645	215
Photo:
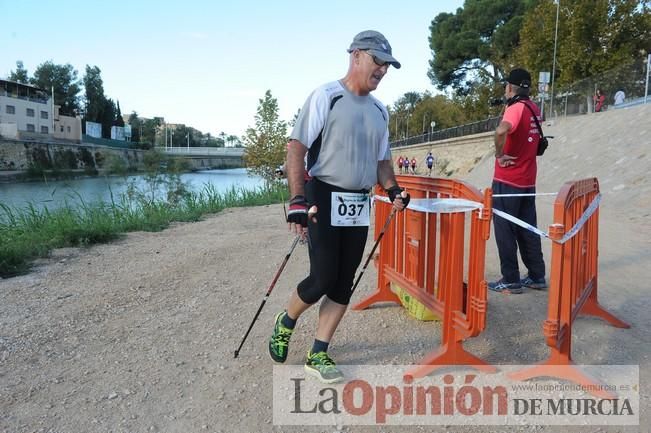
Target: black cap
519	77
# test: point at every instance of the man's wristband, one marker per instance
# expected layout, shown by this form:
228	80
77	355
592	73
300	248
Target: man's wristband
298	199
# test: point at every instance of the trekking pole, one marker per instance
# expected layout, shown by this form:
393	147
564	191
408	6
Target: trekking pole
377	242
280	174
282	198
264	300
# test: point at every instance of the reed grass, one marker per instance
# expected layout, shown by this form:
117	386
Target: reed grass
31	232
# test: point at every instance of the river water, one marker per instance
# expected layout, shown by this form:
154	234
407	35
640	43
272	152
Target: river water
55	193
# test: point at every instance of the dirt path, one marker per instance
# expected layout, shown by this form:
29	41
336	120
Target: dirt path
138	335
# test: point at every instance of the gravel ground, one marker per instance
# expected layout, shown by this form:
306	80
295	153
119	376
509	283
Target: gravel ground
138	335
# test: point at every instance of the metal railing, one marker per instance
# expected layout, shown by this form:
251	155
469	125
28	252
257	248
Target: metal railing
106	142
578	97
212	151
487	125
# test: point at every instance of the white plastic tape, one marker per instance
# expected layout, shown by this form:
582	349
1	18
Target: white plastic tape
452	205
568	235
533	194
521	223
438	205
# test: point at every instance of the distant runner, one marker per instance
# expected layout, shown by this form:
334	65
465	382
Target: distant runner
429	160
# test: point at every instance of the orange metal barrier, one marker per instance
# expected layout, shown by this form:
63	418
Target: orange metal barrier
573	283
424	254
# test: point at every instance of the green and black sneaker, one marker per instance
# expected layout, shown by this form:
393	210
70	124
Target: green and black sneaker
323	367
279	341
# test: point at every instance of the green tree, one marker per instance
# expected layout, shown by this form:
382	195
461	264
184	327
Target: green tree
222	137
136	124
475	44
119	121
64	80
20	74
234	141
94	98
594	36
183	134
107	117
413	113
265	143
149	129
476	106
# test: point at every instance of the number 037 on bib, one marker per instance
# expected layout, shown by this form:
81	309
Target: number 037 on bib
350	209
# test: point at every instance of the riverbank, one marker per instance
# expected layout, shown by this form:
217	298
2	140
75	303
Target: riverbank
32	232
32	158
15	176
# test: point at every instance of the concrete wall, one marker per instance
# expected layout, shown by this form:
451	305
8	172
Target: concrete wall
454	157
19	155
16	155
213	162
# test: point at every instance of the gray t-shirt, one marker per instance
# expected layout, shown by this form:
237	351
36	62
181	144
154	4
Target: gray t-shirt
346	135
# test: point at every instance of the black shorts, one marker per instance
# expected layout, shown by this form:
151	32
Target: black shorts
335	252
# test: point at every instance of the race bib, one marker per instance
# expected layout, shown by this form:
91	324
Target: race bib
349	209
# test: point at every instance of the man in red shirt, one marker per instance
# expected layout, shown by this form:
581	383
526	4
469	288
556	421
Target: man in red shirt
516	142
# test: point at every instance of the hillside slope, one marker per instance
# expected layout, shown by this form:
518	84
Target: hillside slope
613	146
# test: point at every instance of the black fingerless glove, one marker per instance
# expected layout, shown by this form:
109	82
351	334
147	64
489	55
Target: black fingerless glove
297	212
394	192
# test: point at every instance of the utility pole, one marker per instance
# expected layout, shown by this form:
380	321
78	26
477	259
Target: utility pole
648	66
551	101
396	127
53	131
407	126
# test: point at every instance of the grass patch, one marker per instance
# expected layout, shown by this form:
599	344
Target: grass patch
32	232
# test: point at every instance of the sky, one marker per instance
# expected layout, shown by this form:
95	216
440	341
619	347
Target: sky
206	64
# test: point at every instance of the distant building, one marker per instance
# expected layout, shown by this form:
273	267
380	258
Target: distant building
66	127
26	112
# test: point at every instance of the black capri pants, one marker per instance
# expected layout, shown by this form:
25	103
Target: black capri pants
335	252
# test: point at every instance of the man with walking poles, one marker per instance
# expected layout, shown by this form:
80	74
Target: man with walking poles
343	131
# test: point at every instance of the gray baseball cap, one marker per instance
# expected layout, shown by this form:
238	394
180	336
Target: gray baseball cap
376	44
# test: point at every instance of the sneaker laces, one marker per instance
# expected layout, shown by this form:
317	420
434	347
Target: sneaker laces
323	362
282	337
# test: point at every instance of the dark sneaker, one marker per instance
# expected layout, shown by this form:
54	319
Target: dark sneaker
279	341
502	286
323	367
538	283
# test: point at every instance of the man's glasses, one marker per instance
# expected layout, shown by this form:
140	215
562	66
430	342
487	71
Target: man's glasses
376	59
